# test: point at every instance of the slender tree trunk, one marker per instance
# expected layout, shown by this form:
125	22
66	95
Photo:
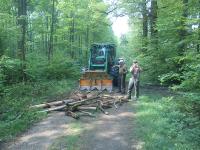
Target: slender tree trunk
145	24
198	45
50	52
153	17
30	35
87	41
153	20
183	31
46	36
22	14
73	37
79	46
87	37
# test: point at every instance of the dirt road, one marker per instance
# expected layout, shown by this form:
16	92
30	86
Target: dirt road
105	132
111	132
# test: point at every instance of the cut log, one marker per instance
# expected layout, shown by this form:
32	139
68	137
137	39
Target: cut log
78	96
55	103
54	109
106	106
78	103
87	113
87	108
40	106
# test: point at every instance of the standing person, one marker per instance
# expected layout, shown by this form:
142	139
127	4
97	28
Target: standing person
122	76
134	80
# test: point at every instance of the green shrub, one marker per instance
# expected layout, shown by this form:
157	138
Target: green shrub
60	67
10	70
15	114
163	124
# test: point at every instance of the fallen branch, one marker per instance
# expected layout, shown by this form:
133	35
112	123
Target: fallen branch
55	103
100	108
87	108
54	109
87	113
72	114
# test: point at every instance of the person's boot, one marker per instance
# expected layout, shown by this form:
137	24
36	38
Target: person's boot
135	98
123	92
118	91
128	97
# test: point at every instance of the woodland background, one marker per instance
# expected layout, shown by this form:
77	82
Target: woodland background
44	43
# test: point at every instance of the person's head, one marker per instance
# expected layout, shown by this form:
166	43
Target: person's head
135	62
121	62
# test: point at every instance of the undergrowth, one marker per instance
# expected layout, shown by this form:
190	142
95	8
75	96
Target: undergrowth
166	123
15	114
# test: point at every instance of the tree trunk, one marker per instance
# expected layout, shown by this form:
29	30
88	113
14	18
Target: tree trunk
153	19
73	36
198	45
50	52
22	14
145	24
183	31
46	36
87	42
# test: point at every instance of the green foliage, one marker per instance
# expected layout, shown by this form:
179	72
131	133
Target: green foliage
60	67
15	114
10	70
75	25
170	78
15	117
162	124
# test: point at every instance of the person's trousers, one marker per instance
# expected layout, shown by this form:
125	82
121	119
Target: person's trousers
122	83
133	83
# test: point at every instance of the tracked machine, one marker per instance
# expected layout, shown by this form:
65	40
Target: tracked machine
101	73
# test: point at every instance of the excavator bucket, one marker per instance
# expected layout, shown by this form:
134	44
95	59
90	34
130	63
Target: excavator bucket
92	80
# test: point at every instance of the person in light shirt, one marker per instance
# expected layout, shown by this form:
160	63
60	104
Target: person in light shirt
134	80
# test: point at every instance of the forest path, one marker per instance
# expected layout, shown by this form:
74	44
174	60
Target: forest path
114	131
41	135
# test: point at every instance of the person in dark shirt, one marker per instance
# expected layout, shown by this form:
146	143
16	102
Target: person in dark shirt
122	77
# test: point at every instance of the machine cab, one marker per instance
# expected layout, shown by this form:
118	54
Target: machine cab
101	57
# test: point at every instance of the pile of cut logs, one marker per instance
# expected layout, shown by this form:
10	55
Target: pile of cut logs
79	104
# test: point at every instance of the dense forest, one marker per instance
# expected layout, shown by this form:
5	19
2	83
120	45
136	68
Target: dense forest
42	46
44	43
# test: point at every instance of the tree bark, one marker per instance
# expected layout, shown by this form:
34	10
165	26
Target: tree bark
183	31
198	45
145	19
50	52
144	24
153	20
22	14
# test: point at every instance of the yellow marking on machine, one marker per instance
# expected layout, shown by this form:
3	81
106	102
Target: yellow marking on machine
99	80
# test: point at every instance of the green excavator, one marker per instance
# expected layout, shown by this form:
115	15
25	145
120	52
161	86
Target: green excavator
100	74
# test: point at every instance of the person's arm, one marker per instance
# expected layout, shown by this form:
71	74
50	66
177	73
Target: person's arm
131	69
125	69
